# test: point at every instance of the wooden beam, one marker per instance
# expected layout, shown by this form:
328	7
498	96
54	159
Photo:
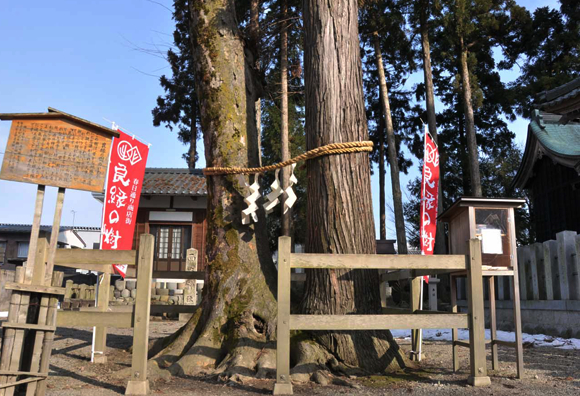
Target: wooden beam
27	326
377	322
377	261
122	320
24	381
199	275
54	236
464	344
35	288
139	384
8	372
76	258
283	384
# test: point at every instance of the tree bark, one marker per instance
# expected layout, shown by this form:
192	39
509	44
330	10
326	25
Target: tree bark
339	217
233	330
286	222
254	34
469	124
440	247
382	203
391	152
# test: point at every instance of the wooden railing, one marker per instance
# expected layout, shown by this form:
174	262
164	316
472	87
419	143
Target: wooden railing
420	319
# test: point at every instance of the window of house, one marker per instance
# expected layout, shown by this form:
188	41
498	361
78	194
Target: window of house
171	244
22	249
2	251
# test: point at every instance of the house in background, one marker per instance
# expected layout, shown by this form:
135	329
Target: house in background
14	240
172	208
550	167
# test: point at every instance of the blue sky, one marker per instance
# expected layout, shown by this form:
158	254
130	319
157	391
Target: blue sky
80	57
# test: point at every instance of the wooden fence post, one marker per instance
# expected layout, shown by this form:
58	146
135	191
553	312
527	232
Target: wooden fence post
283	384
565	249
544	273
415	305
522	276
100	333
139	384
533	272
454	332
478	362
551	260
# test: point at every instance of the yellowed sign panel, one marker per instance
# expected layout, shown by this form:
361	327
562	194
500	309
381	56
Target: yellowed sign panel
56	153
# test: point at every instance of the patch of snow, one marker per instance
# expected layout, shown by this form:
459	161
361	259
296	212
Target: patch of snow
536	340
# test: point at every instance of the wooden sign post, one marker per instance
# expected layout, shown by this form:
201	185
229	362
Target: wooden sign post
48	149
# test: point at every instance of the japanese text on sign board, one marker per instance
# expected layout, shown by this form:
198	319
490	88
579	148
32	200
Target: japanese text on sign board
56	153
124	181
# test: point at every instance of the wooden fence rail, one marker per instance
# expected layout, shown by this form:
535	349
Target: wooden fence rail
287	322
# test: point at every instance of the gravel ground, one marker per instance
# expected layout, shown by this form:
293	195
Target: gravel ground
548	371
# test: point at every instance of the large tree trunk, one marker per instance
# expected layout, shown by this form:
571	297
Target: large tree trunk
232	332
340	218
254	33
391	153
284	115
469	124
440	247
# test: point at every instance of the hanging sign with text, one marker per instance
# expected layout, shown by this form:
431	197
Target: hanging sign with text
124	181
429	195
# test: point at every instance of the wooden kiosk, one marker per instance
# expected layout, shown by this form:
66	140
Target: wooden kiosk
492	221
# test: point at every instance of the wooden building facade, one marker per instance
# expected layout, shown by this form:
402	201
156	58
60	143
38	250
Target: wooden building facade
173	209
550	167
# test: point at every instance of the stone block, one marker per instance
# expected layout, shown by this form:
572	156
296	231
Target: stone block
178	292
164	298
117	293
181	286
155	298
125	293
158	285
119	284
171	285
162	292
131	285
180	300
134	293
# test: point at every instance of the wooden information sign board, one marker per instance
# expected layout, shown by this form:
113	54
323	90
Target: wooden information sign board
56	153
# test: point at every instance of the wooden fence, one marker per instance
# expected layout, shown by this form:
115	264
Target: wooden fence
416	319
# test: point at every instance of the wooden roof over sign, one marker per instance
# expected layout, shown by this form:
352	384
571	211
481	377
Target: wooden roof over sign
55	114
57	149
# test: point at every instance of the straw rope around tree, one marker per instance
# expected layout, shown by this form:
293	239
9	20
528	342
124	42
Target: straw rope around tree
329	149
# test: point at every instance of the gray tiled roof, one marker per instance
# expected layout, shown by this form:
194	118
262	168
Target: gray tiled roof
25	228
174	181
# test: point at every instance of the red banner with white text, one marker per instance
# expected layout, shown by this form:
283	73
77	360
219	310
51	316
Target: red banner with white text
429	195
124	181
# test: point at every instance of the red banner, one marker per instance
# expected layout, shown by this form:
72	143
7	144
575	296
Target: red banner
429	195
124	181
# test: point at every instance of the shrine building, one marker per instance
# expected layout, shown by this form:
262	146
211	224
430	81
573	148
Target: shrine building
550	167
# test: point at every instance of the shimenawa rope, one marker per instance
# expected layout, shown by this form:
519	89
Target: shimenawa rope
334	148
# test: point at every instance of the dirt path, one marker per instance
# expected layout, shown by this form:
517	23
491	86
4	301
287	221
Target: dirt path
549	371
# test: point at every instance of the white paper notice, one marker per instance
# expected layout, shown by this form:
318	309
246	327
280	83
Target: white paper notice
491	241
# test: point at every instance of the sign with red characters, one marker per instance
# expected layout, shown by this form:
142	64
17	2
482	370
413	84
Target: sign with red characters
429	195
124	181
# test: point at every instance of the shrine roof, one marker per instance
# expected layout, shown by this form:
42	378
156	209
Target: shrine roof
563	100
174	181
552	135
59	115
